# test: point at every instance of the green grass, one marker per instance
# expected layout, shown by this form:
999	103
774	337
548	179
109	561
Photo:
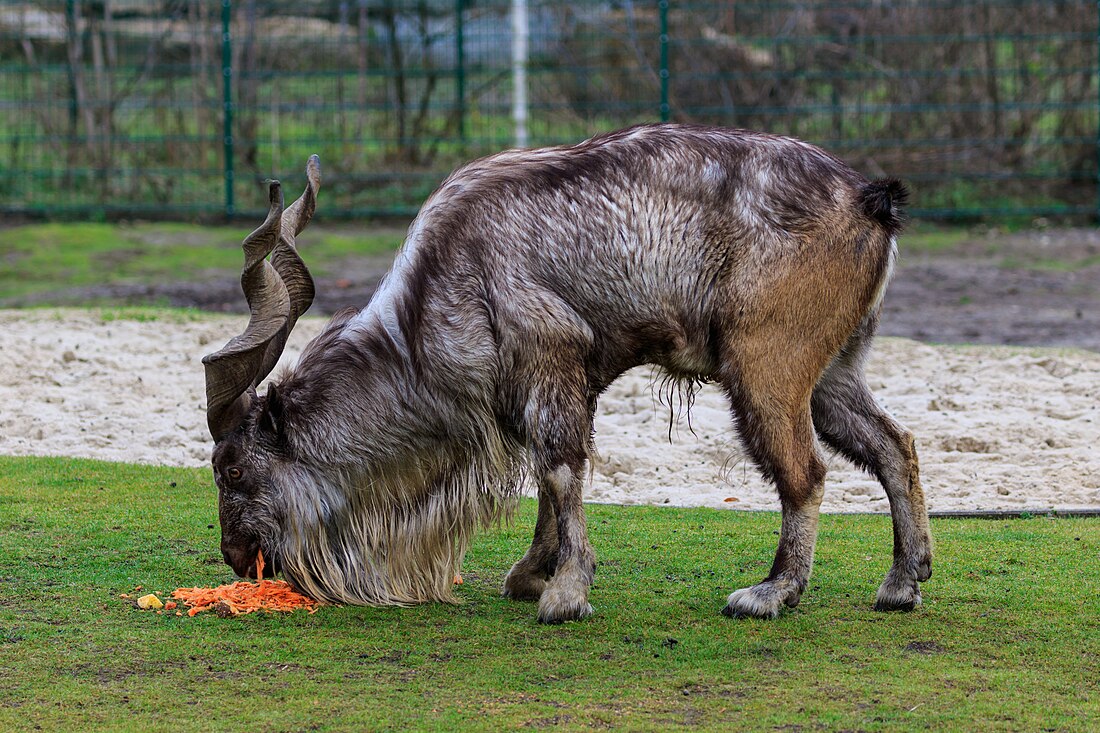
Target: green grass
927	238
1008	639
46	258
147	314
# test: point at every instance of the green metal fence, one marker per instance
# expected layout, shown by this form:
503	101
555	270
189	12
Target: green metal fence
183	108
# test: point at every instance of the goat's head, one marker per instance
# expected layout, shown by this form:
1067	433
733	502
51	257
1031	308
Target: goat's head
246	427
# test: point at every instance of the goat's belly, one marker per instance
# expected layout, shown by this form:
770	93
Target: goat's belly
693	363
677	347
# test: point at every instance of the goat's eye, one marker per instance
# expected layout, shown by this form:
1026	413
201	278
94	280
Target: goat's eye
233	473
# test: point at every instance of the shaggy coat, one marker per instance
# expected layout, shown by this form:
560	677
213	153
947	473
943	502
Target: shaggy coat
530	281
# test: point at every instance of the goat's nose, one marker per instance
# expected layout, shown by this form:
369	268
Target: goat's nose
225	556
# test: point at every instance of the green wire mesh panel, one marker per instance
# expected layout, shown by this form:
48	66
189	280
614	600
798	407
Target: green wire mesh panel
983	107
184	108
108	112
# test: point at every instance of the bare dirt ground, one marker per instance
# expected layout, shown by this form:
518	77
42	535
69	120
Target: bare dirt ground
1032	288
998	427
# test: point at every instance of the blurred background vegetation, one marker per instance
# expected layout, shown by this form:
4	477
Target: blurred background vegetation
183	108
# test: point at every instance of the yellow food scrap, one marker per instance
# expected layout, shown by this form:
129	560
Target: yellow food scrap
150	601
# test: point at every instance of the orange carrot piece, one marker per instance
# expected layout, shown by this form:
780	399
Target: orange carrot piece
243	597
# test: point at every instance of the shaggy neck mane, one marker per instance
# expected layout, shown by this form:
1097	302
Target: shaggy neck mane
380	510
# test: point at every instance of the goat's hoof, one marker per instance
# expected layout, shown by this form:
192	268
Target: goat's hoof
558	606
924	569
897	594
523	586
887	604
762	600
552	617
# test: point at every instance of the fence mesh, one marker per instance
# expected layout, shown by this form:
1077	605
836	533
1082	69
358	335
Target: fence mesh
184	107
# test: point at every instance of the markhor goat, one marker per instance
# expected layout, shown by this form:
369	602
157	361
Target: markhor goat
529	281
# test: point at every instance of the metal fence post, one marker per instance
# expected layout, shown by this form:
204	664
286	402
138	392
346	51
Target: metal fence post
519	71
460	71
71	33
227	103
666	111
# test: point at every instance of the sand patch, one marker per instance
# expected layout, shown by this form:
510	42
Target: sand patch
996	427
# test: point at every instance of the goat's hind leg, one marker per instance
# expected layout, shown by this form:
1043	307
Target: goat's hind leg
779	434
847	417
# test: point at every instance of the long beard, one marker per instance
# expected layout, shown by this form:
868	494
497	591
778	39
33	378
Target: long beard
396	539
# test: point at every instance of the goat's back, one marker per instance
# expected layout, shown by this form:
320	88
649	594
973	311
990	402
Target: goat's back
658	243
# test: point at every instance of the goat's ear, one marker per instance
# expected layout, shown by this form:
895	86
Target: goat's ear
270	423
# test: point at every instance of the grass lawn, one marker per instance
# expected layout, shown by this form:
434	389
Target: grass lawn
1008	638
50	258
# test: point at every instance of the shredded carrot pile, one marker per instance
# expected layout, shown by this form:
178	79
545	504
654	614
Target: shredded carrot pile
245	597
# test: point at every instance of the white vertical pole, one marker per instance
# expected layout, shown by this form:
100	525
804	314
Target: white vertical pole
519	71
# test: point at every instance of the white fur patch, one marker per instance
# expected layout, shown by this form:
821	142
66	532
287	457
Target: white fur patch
382	303
759	601
713	174
880	294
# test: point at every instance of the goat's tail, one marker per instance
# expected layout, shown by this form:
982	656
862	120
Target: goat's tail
883	200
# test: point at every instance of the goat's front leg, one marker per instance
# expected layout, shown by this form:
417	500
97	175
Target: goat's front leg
560	566
565	597
527	579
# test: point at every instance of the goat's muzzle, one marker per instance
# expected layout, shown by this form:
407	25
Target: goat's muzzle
242	558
